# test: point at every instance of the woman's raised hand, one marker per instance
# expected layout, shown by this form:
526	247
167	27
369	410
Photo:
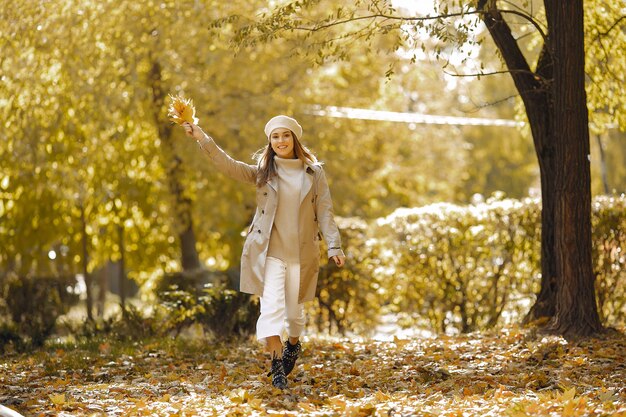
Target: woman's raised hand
193	131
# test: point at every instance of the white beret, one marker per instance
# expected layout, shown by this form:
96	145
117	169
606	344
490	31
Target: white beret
285	122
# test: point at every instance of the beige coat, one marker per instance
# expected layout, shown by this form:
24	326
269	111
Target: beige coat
316	214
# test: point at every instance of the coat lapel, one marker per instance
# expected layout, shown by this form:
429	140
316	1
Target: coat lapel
307	182
273	182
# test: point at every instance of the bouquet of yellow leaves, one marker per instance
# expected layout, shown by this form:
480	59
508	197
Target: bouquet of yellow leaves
181	110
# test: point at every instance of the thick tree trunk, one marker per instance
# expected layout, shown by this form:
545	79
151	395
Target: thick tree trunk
554	97
576	311
190	259
182	204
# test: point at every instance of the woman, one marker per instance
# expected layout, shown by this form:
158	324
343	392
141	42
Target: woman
280	259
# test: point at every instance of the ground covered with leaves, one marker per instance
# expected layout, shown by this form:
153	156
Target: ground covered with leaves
506	373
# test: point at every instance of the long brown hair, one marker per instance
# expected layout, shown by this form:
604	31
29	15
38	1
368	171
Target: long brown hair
267	166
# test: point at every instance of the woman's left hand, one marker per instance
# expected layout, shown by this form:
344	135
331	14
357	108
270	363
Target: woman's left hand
340	260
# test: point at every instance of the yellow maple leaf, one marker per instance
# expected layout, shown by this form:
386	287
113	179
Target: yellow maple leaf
239	396
569	394
181	110
58	399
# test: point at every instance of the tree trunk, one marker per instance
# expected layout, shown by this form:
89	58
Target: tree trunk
85	262
122	270
182	205
534	89
576	311
555	102
103	287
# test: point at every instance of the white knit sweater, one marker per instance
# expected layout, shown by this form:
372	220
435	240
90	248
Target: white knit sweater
284	238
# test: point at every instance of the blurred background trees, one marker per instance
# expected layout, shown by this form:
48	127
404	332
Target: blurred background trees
100	194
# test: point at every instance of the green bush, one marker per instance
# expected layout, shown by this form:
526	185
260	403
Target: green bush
9	336
222	311
32	306
133	324
192	281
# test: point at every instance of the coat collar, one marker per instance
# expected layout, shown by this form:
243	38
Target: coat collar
306	183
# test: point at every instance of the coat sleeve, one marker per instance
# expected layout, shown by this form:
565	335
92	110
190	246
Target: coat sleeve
227	165
325	216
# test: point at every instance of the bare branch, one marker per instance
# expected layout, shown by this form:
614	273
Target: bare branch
478	107
606	62
532	21
617	22
523	36
491	73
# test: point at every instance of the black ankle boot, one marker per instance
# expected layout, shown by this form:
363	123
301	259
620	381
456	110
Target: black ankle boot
290	355
278	374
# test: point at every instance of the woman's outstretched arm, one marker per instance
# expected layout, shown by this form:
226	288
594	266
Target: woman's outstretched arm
223	162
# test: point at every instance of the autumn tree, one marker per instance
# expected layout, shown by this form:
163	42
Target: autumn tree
552	90
555	102
90	163
73	161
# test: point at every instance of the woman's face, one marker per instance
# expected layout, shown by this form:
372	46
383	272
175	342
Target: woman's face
281	140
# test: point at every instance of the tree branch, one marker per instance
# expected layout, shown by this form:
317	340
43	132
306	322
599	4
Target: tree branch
478	107
611	28
523	77
320	27
317	28
606	61
489	73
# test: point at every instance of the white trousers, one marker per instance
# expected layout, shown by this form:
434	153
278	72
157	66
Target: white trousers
280	310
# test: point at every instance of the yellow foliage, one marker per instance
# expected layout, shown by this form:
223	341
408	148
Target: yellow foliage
181	110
